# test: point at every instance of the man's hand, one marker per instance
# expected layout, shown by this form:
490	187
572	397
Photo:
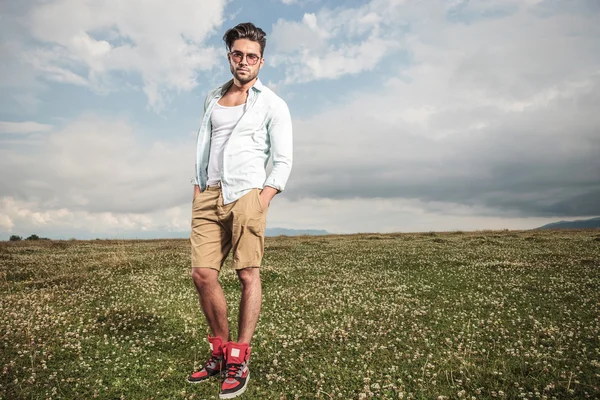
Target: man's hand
266	195
196	191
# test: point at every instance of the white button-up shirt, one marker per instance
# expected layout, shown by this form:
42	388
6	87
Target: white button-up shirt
265	130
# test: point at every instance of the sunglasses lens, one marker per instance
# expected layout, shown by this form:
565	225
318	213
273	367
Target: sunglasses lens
251	59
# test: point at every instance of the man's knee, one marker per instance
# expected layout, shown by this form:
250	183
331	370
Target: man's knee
204	277
249	276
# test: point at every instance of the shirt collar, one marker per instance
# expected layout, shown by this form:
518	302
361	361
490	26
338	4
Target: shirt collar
258	85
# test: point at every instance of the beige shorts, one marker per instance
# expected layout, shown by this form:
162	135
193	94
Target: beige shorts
219	228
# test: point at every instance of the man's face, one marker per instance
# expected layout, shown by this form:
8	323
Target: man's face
243	53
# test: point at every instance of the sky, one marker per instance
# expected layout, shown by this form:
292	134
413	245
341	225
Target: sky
408	115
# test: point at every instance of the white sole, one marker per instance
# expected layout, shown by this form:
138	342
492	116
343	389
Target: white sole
238	393
196	382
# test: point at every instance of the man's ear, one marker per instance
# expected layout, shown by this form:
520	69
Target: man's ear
262	62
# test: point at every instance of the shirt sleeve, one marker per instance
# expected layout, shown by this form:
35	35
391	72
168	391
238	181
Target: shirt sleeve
195	176
279	129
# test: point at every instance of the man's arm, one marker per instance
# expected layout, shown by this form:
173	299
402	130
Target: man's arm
280	135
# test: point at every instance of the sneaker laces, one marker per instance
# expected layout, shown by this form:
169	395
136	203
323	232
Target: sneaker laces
232	370
213	360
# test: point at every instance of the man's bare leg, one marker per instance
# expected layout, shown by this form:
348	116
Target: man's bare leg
249	303
212	301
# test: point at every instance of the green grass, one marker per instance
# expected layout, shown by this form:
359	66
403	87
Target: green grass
426	316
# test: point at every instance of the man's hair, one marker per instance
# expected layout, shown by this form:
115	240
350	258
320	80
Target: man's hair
246	30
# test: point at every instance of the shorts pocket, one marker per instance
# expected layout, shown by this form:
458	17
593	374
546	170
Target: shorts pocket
196	197
248	244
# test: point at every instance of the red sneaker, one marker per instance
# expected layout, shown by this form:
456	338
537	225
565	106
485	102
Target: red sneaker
237	376
215	364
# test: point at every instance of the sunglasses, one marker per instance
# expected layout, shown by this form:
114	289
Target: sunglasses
238	56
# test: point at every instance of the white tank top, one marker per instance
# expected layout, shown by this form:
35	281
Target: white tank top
223	120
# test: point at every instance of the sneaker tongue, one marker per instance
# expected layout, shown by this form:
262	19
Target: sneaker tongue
216	346
236	353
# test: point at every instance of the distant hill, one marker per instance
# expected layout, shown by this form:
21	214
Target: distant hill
579	224
186	234
148	235
294	232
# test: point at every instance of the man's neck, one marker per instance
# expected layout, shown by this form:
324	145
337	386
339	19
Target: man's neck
239	87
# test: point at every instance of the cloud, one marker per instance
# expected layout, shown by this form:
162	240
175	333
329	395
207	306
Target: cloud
392	214
19	87
94	176
332	43
6	223
98	166
336	215
166	46
23	127
480	115
494	114
25	218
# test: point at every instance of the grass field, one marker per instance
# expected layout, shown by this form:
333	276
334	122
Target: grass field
426	316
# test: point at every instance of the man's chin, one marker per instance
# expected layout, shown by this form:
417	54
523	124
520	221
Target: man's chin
243	79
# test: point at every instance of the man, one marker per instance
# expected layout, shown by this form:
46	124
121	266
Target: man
244	124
